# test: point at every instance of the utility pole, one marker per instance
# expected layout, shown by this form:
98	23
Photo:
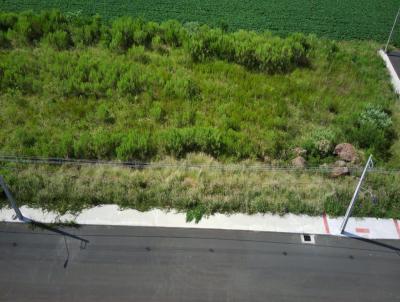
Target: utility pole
11	199
391	32
368	165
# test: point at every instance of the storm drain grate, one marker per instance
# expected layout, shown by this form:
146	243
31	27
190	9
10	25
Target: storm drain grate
307	239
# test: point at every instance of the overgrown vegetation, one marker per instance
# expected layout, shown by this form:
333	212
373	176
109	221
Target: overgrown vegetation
78	87
201	191
342	19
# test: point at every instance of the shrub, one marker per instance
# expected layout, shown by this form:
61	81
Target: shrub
373	130
157	112
83	146
28	29
104	115
257	52
136	145
179	142
88	32
5	42
59	40
172	33
105	144
320	142
7	21
181	86
132	82
238	145
18	72
126	32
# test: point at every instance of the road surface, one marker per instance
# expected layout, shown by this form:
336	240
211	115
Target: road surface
394	57
166	264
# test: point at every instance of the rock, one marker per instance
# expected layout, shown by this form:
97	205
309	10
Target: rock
267	159
340	171
299	162
299	151
340	163
346	152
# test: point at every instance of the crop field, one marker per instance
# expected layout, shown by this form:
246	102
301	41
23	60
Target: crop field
342	19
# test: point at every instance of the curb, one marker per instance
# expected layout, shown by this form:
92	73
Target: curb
371	228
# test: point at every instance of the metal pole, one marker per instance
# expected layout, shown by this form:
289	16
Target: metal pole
391	32
11	199
369	164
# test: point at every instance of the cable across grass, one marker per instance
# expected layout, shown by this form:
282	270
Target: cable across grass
200	191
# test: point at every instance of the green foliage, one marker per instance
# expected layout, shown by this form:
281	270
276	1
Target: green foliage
127	32
373	130
181	86
179	142
256	52
320	142
59	40
195	213
14	71
81	87
136	145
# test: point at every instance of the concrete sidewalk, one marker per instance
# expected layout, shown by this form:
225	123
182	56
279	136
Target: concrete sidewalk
371	228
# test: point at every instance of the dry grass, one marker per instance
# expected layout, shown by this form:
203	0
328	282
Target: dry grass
205	189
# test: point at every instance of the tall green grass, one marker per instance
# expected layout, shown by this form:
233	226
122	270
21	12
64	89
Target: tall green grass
77	87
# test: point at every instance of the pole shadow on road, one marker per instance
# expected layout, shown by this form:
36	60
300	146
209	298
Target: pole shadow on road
372	241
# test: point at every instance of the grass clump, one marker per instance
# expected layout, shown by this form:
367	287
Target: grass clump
204	190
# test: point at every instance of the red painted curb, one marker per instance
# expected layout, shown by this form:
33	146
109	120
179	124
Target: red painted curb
362	230
326	225
396	223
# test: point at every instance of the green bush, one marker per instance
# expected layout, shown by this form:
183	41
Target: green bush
256	52
59	40
105	144
373	130
89	31
132	82
104	115
126	32
19	72
136	145
320	142
181	86
179	142
28	29
5	42
172	33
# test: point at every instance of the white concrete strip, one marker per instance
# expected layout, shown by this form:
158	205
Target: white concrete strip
372	228
111	215
393	75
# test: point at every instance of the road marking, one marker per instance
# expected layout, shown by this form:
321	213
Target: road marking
362	230
396	223
326	225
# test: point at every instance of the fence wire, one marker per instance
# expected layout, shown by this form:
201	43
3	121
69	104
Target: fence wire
185	165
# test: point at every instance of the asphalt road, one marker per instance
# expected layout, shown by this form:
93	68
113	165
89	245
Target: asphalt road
163	264
394	57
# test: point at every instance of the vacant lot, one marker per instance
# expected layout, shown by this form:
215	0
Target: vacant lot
343	19
76	87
